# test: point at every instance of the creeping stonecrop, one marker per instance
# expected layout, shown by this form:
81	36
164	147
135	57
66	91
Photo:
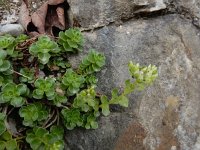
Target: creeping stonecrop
14	94
43	49
34	114
44	87
71	40
42	93
72	81
93	62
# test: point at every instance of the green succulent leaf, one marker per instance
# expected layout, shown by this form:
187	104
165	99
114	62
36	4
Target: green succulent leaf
122	100
6	41
7	142
3	54
28	75
34	114
86	100
93	62
71	40
40	138
144	76
105	105
72	81
5	65
91	80
44	57
72	118
44	86
42	49
21	38
14	94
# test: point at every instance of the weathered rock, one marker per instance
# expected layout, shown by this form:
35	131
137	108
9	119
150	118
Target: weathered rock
166	115
191	9
193	6
92	14
13	29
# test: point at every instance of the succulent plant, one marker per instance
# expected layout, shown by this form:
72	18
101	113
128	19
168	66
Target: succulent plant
41	139
42	49
86	100
33	114
5	64
6	41
72	118
72	81
44	86
71	40
91	122
143	76
93	62
8	142
28	75
14	94
91	80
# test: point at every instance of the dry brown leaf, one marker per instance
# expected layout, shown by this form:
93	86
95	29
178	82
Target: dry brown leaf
49	19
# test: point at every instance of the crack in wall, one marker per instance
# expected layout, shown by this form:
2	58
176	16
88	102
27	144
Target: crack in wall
171	8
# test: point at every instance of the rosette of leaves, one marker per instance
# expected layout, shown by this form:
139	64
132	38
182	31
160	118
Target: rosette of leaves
8	142
21	38
41	139
27	75
93	62
6	42
72	81
34	114
59	97
5	64
90	121
71	40
42	49
91	80
86	100
44	87
72	118
14	94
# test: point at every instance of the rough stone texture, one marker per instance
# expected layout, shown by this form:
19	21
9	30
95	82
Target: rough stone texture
102	12
192	5
13	29
166	115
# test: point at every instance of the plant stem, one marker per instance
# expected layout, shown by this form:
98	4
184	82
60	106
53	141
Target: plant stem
19	73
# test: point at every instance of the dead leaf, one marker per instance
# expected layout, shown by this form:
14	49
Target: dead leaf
49	19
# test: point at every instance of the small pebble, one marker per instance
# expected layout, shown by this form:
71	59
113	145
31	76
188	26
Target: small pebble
13	29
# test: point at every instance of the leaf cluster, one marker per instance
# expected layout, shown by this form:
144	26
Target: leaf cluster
34	114
71	40
43	48
42	139
14	94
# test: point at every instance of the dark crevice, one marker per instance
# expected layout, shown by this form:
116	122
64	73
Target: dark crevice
31	27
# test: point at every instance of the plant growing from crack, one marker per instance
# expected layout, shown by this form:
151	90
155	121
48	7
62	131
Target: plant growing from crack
53	95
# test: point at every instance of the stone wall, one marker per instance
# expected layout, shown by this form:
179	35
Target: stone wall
166	33
166	116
